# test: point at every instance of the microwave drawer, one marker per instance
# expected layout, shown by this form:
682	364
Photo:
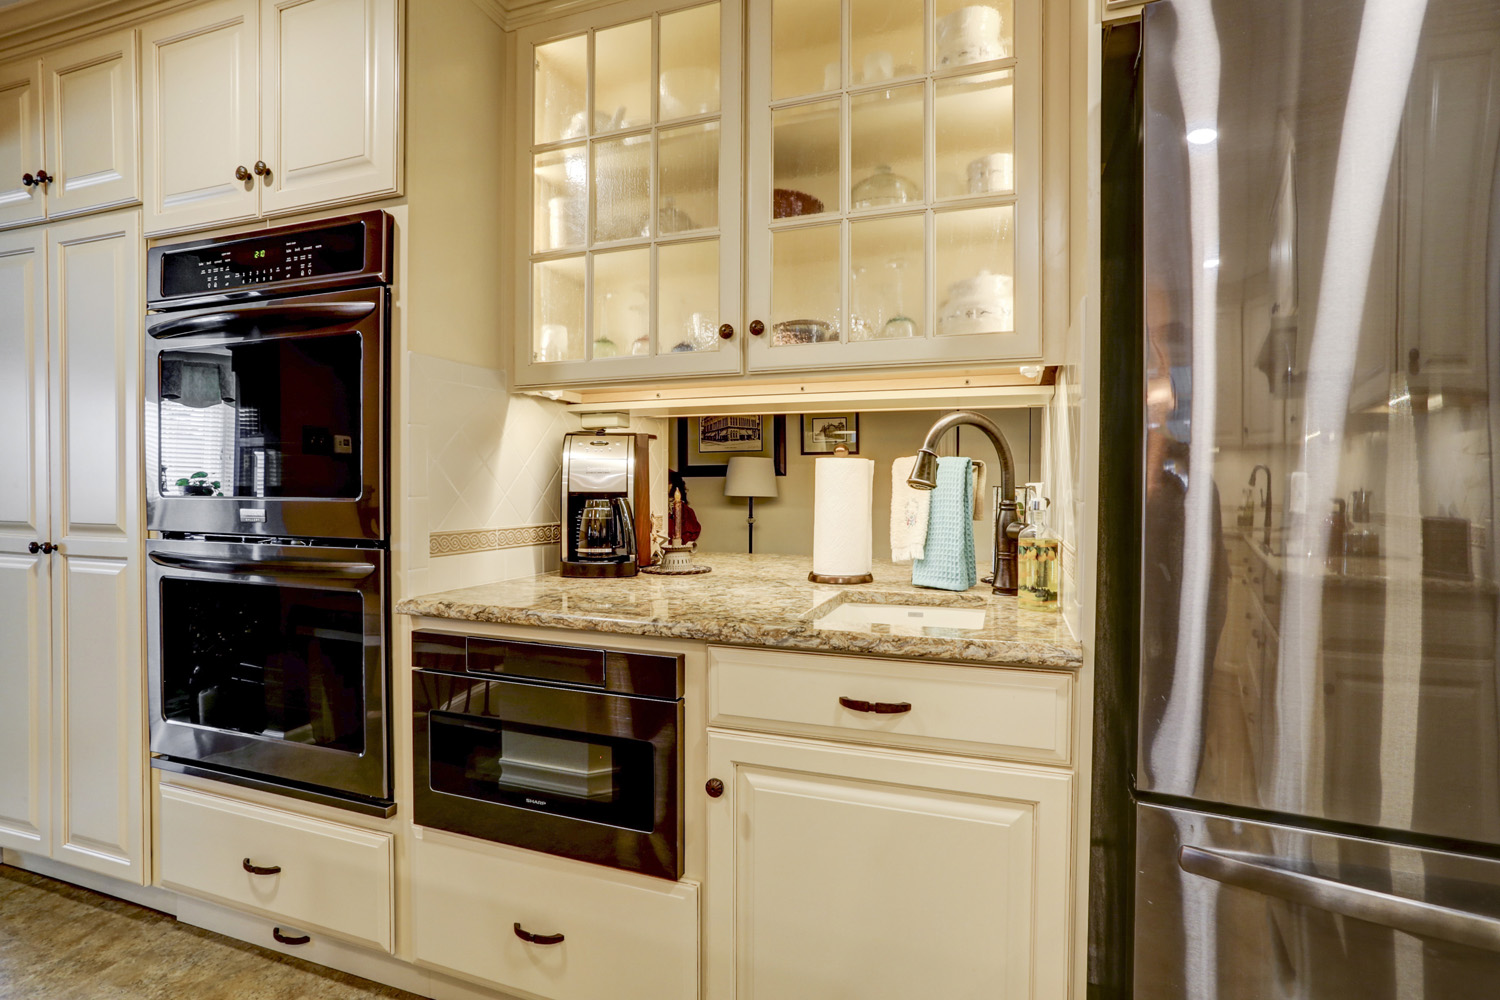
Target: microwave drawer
1016	714
595	934
331	877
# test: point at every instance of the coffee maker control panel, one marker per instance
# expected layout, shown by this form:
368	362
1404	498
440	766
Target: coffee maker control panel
599	464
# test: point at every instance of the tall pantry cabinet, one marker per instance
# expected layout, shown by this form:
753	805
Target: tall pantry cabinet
72	720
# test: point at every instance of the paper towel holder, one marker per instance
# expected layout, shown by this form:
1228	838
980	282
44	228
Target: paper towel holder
841	581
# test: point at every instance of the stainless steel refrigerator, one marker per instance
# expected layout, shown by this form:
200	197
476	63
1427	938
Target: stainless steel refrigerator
1318	746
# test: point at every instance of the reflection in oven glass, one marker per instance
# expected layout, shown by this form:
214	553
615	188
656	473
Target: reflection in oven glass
263	418
285	663
602	779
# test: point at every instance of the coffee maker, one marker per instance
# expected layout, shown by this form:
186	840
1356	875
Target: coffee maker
606	504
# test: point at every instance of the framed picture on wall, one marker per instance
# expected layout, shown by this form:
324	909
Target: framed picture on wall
823	432
706	444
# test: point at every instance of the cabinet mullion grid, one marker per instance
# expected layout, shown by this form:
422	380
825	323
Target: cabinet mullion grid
653	203
929	165
589	194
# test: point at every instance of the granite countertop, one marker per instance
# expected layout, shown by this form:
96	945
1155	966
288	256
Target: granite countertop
767	600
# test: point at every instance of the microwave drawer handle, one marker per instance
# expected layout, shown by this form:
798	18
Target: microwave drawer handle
310	316
1413	916
875	707
531	938
341	570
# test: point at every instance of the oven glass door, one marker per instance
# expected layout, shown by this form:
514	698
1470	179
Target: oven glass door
267	417
596	778
585	774
270	660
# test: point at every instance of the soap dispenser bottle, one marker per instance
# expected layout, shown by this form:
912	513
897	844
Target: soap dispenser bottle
1039	558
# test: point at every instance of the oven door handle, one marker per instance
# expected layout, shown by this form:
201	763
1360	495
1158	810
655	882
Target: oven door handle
280	567
281	319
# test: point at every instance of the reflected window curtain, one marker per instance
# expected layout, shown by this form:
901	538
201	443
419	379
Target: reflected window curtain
196	440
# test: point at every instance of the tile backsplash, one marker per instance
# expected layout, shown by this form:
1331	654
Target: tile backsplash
482	476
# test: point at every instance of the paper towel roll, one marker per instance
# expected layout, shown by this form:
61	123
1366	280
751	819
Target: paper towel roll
843	501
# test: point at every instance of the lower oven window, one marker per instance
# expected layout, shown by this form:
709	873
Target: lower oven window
286	663
596	778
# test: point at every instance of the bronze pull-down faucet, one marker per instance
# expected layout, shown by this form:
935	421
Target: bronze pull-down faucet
924	477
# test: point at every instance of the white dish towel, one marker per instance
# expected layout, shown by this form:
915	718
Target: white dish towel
909	509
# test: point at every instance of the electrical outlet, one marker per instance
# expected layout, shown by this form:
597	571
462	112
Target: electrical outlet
343	444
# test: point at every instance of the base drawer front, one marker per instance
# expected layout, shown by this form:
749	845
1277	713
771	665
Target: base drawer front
308	872
590	935
986	711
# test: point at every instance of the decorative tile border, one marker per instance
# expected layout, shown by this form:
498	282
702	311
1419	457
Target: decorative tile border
453	543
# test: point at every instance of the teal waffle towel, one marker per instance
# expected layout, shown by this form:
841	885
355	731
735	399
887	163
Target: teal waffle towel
947	561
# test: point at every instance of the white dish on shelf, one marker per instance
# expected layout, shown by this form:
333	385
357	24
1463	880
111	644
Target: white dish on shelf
984	303
992	173
969	35
689	90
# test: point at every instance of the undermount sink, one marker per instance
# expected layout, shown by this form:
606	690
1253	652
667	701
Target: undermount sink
851	610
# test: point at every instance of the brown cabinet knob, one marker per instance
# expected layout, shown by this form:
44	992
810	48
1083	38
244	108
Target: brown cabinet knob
48	548
42	177
757	328
726	331
261	169
27	180
714	787
241	173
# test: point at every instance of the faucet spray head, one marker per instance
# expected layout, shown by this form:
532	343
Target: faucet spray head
924	473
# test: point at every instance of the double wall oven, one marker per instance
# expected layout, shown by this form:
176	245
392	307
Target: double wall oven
267	451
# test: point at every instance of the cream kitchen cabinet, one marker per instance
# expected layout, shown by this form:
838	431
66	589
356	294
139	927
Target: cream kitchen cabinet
862	840
843	871
891	193
269	108
70	131
629	162
72	718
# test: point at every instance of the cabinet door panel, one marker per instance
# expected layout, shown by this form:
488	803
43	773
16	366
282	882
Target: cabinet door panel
25	601
25	605
839	872
329	100
92	125
20	142
199	119
23	390
98	718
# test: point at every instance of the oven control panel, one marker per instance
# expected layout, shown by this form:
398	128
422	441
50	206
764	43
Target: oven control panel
256	261
349	251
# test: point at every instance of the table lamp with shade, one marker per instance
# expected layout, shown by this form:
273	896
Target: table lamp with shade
750	477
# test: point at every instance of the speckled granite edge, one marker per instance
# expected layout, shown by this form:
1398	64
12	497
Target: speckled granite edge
798	636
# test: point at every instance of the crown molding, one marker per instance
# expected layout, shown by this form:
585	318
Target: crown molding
33	26
513	14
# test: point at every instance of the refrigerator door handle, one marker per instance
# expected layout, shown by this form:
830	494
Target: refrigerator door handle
1411	916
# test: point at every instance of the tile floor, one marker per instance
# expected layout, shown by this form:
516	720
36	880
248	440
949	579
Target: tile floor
60	942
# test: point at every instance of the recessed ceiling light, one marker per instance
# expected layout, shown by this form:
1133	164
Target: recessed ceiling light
1202	136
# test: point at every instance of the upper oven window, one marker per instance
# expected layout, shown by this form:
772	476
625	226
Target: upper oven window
278	417
281	662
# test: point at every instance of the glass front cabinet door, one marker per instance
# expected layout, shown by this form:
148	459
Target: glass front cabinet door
892	183
630	214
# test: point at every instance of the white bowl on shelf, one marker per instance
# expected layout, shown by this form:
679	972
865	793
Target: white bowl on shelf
984	303
969	35
688	91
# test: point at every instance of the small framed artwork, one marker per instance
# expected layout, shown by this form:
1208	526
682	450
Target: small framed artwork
706	444
823	432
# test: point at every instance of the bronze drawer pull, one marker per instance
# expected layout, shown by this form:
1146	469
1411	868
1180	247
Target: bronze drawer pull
531	938
258	870
875	707
276	933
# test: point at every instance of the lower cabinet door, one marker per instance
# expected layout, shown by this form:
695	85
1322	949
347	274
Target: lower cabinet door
840	872
560	930
309	872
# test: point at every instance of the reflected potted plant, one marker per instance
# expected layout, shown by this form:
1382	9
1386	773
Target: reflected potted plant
198	485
